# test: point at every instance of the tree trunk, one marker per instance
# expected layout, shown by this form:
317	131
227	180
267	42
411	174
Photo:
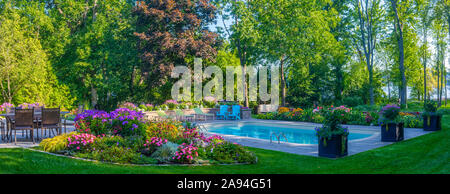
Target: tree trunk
93	97
242	59
399	33
424	59
372	101
283	82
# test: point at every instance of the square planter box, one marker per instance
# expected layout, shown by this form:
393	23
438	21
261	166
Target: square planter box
335	147
432	123
392	132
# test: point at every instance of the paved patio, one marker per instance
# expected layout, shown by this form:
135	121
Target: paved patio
355	146
24	142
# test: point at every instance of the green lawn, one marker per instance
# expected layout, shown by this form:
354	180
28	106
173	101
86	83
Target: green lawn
425	154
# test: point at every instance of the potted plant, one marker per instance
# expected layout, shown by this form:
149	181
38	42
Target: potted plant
392	129
333	138
431	118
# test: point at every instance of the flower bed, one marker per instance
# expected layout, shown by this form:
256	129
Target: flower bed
122	136
349	116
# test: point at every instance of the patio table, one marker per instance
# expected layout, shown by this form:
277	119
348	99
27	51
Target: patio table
36	119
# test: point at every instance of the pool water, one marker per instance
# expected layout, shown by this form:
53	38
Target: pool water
293	135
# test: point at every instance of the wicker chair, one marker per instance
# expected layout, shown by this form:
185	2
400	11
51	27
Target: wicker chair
23	120
51	120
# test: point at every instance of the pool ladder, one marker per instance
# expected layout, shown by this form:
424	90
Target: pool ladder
278	136
202	128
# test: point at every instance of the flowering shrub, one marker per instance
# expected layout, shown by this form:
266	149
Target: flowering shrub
5	106
33	105
295	114
186	153
227	152
282	110
210	101
171	104
164	129
93	121
316	115
126	122
390	113
317	109
122	136
156	141
215	139
81	141
146	107
128	105
122	121
412	121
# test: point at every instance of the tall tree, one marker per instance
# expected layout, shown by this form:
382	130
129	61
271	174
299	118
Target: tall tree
241	32
425	22
398	29
368	19
171	31
25	72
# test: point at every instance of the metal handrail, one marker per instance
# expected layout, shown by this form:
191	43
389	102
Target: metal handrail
278	136
202	128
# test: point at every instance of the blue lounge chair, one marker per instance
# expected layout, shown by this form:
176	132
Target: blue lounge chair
236	112
223	112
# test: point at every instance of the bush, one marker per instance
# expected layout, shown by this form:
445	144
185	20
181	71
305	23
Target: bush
103	143
146	107
56	144
171	104
390	113
227	152
128	105
282	110
80	142
353	101
93	122
121	121
117	154
123	137
412	121
186	153
164	129
166	152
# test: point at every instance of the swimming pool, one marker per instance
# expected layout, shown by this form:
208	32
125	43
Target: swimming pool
294	134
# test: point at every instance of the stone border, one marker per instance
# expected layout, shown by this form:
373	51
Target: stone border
143	165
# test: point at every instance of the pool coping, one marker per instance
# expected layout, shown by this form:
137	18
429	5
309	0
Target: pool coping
354	146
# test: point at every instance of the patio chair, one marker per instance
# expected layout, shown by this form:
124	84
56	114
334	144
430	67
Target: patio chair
37	118
8	122
223	112
199	113
23	120
51	120
3	129
235	112
181	116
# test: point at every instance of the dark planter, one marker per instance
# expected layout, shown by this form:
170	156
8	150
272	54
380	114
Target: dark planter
335	147
392	132
432	123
